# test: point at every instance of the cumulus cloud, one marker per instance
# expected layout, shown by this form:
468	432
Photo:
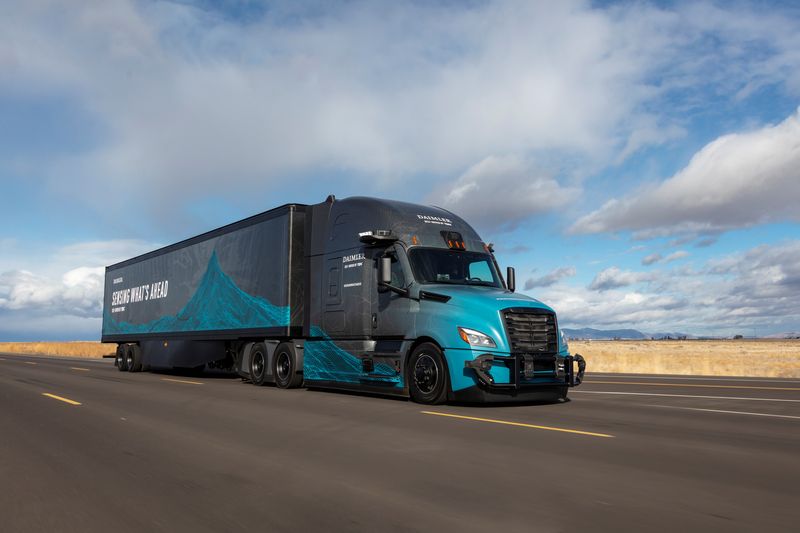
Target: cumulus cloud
192	103
758	289
676	255
501	192
651	259
550	278
69	287
614	278
738	180
78	293
669	258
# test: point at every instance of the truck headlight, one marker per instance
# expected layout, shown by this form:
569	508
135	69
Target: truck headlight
563	340
476	338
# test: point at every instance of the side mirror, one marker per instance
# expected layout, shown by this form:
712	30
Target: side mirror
384	271
511	280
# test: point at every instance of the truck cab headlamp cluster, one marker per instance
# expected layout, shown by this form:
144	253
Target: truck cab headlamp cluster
476	338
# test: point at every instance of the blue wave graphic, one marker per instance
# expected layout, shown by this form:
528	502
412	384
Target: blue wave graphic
216	304
323	360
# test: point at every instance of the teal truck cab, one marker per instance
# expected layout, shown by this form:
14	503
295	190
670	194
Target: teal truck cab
438	320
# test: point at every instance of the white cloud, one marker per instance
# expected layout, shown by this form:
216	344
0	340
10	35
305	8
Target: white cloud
501	192
757	289
658	258
78	293
614	278
676	255
551	278
70	286
738	180
652	258
197	104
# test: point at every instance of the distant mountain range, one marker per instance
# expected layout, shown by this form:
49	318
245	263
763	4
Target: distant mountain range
607	334
635	334
787	335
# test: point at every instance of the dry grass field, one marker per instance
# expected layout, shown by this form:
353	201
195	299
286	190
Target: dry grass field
758	358
86	349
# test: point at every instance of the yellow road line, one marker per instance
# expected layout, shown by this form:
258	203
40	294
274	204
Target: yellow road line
690	385
518	424
182	381
30	363
79	368
59	398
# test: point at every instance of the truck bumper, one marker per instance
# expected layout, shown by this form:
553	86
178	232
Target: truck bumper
532	378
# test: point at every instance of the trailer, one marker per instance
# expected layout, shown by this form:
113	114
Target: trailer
359	294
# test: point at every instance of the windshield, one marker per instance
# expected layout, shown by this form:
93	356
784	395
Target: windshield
437	265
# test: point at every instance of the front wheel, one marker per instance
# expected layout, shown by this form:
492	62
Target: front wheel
428	381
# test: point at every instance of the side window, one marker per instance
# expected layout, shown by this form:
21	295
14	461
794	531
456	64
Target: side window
480	270
398	278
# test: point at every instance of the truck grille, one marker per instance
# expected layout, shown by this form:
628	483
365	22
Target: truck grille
531	330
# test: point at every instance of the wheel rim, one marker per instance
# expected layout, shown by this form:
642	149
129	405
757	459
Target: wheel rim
258	365
284	366
426	374
129	360
119	359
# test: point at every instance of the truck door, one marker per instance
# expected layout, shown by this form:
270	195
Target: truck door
392	314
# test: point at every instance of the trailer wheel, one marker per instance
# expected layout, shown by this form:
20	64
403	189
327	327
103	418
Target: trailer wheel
284	367
258	364
134	358
428	380
120	360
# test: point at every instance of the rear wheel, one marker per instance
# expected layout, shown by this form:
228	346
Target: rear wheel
258	363
133	358
428	381
285	367
120	360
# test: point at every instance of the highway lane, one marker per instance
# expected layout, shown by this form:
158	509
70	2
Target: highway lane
167	452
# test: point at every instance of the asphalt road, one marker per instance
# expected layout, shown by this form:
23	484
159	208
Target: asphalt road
161	452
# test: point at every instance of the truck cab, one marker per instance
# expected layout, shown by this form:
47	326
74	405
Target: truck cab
408	299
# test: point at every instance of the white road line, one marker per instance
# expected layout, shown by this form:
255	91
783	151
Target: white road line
726	412
682	396
692	378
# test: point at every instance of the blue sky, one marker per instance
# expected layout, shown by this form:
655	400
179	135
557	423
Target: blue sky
638	163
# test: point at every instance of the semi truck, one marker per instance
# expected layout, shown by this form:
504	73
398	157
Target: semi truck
362	294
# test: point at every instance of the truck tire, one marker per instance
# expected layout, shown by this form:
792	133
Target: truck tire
428	379
284	367
119	360
258	364
562	394
134	358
